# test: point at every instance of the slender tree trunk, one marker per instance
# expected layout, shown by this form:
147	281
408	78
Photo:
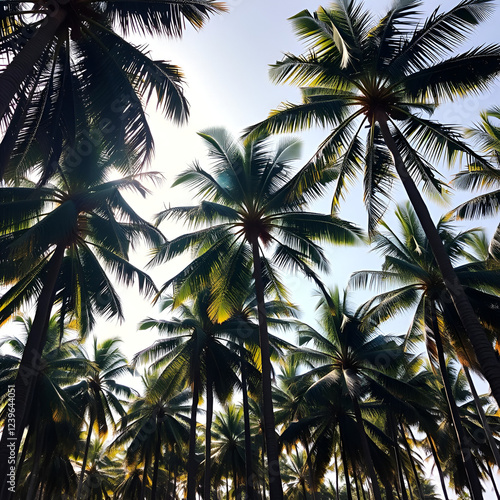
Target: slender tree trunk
399	464
337	492
488	359
275	487
412	462
472	477
37	457
366	451
249	490
492	479
145	475
482	416
191	467
20	462
85	455
409	484
29	368
154	484
312	483
355	479
12	78
438	465
208	435
345	463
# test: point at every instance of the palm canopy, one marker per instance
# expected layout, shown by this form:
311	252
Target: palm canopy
487	136
381	76
251	196
84	213
414	279
70	68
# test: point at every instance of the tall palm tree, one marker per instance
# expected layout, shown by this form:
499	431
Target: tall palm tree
381	76
409	262
250	205
199	351
72	230
55	419
99	392
229	446
155	422
70	66
356	361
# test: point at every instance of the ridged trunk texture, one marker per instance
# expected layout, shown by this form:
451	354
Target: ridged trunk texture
275	487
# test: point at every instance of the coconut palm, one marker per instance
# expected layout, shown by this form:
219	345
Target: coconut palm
381	76
73	230
199	351
409	262
354	360
487	137
229	446
70	67
99	393
252	220
55	419
155	422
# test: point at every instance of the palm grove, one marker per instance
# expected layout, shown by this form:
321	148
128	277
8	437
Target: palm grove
229	406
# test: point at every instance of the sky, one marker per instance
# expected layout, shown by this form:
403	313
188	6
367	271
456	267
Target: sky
226	70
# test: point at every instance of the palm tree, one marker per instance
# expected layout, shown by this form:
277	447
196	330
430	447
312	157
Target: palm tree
155	422
101	474
199	351
229	446
487	137
55	419
69	65
70	230
250	204
355	362
98	393
410	263
381	76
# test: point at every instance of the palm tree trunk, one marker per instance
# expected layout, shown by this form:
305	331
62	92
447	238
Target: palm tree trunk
312	483
191	466
12	78
345	463
492	479
490	364
20	462
85	455
249	490
337	492
412	462
438	465
472	478
37	457
29	367
154	484
482	416
355	479
366	451
145	475
208	435
275	487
